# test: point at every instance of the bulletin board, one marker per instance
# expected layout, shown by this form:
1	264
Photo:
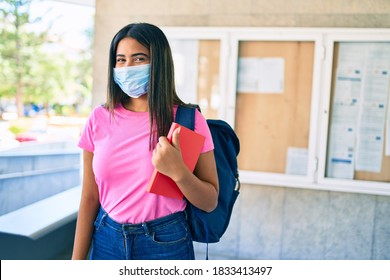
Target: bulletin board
358	132
273	121
279	88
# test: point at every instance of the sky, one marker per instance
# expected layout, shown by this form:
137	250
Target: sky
68	21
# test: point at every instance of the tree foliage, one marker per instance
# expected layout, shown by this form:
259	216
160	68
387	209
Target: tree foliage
28	73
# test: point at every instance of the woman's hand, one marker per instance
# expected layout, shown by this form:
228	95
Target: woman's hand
167	158
200	187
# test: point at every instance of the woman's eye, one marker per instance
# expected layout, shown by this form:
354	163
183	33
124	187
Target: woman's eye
139	59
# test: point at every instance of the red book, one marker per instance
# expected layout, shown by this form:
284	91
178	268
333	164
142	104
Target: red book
191	144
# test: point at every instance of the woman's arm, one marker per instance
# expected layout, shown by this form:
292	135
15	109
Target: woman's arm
89	206
201	187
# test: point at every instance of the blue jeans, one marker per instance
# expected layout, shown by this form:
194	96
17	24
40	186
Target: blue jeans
166	238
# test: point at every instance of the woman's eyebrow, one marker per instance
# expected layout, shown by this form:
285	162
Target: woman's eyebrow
135	54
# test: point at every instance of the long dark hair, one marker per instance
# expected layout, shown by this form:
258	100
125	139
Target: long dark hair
162	93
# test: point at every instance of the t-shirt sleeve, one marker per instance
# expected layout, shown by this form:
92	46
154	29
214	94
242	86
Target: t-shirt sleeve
202	128
86	140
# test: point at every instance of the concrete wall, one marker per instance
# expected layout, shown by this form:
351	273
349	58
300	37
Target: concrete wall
285	223
28	174
36	171
111	15
271	222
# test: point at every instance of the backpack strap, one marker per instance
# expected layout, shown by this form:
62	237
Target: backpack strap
185	115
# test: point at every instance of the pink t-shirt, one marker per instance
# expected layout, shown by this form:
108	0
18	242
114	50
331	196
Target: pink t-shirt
122	164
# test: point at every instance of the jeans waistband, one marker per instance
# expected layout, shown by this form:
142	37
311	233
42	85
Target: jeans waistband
139	228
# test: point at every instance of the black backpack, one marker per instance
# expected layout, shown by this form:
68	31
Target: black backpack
209	227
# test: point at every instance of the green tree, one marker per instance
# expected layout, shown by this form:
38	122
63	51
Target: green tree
28	73
18	49
83	74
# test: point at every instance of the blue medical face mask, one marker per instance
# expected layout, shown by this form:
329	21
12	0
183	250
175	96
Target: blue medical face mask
133	80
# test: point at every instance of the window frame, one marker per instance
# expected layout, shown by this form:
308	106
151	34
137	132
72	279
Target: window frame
345	185
324	40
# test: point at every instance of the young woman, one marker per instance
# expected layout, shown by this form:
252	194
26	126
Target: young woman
123	141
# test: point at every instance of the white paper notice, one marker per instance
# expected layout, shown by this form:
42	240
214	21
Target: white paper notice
341	151
260	75
345	112
297	161
358	118
372	119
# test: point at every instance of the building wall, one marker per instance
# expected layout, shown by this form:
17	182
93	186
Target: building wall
271	222
35	171
111	15
286	223
30	174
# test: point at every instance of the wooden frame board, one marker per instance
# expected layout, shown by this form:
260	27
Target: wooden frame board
268	124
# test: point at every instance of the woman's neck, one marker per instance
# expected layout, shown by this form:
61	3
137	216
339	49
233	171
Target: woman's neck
137	104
